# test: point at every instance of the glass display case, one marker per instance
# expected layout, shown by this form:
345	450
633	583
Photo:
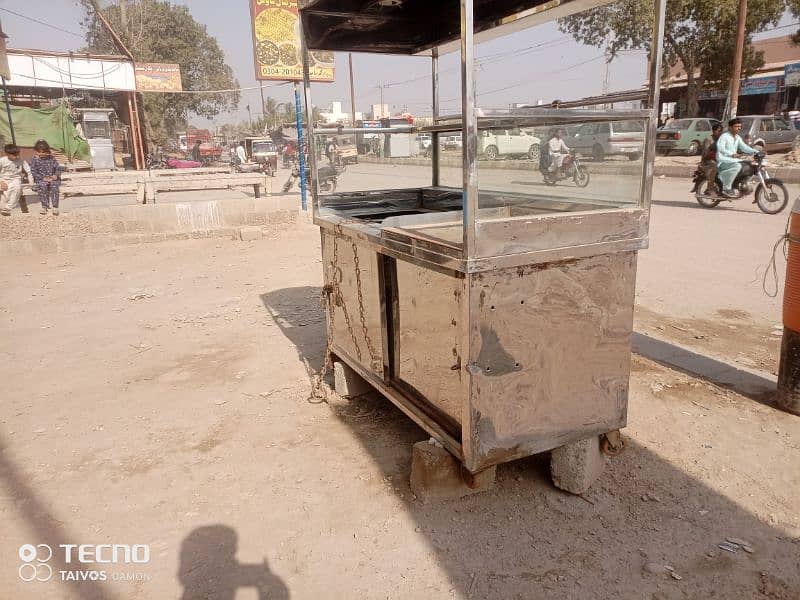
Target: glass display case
485	292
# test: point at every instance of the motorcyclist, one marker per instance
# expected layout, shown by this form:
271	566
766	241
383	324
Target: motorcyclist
708	159
558	150
729	144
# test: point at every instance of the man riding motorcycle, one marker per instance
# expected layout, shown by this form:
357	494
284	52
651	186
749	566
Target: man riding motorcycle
708	160
558	150
728	145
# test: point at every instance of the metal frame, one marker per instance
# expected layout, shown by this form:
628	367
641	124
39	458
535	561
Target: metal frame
583	251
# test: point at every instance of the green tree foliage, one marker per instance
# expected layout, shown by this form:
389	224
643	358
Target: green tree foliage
158	31
699	37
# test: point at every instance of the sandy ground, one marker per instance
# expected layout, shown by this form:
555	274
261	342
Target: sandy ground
157	395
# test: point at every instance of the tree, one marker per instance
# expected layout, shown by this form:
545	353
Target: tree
157	31
699	36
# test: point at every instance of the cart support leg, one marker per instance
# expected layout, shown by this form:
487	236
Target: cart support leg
436	474
347	383
575	467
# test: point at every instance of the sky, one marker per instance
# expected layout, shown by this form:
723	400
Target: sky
540	63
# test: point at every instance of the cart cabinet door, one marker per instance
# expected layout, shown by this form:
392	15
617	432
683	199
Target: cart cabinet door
549	356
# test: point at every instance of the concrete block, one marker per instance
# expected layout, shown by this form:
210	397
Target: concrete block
438	475
347	383
575	467
250	233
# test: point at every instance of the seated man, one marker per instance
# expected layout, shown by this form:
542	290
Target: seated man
728	166
708	159
558	150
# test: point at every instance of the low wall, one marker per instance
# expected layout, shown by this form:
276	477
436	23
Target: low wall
104	227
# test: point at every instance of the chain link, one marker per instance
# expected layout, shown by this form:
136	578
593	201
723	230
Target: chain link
361	315
331	297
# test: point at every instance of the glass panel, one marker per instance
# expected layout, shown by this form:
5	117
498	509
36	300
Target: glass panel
783	125
680	124
702	126
766	125
97	130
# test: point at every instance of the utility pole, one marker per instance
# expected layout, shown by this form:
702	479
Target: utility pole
380	87
737	60
249	117
263	103
352	93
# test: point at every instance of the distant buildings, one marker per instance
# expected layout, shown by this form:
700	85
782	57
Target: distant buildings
334	114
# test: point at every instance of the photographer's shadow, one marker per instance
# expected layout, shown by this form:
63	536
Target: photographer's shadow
209	569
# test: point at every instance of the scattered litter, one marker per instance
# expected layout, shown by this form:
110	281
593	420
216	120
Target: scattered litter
39	430
728	547
700	405
220	402
748	549
656	387
707	446
140	296
674	575
702	513
679	328
435	442
700	336
650	497
737	541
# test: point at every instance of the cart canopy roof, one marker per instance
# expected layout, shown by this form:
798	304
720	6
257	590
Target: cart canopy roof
413	26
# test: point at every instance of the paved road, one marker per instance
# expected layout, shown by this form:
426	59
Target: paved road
699	260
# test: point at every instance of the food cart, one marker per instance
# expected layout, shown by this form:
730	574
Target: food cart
496	317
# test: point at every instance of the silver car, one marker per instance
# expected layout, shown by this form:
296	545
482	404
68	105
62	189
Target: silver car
609	138
768	132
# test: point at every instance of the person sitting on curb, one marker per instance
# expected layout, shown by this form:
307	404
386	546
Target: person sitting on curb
12	168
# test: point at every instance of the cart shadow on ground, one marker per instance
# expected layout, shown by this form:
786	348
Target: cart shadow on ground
526	539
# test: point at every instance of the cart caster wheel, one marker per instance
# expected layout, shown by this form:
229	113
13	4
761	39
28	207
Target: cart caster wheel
347	383
576	466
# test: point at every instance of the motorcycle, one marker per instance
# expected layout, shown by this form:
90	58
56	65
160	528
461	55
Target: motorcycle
571	168
771	194
237	166
327	177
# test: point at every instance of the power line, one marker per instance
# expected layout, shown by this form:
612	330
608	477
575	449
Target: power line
56	27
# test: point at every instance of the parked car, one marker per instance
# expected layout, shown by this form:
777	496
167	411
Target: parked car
497	143
450	142
768	132
684	135
610	138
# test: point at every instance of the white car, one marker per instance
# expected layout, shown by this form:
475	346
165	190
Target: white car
498	143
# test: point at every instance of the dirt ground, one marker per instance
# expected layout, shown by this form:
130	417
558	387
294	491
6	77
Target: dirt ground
157	394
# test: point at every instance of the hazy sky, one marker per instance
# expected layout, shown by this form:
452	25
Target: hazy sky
539	63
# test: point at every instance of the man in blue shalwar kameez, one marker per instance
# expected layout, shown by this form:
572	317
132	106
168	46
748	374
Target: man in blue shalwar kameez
728	145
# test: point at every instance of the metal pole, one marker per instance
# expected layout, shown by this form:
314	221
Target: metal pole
134	141
139	128
8	111
469	127
435	107
654	79
312	155
380	86
352	92
263	103
301	146
737	59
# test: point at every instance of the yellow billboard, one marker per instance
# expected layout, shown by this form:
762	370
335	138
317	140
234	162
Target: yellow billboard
276	41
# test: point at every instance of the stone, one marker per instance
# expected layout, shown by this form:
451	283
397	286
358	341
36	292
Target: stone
347	383
438	475
250	233
575	467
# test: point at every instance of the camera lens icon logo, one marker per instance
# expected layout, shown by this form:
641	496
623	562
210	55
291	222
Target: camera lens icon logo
34	565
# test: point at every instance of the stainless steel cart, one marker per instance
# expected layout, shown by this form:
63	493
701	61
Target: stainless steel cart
499	320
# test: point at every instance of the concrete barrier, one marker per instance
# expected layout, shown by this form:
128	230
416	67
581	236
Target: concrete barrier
91	228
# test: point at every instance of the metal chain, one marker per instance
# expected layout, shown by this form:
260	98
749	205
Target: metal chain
331	297
361	315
